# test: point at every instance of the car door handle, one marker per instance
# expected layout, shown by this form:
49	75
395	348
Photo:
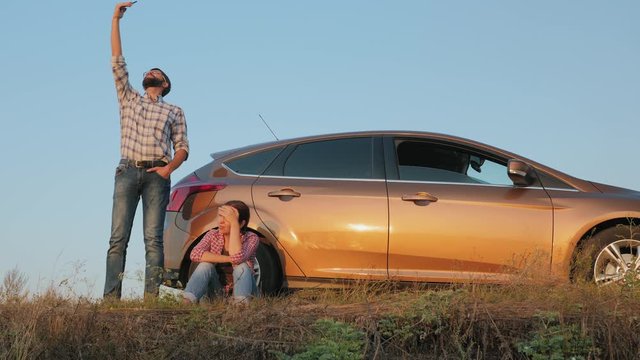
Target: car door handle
421	196
284	193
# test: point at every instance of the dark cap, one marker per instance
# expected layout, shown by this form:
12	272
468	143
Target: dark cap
166	78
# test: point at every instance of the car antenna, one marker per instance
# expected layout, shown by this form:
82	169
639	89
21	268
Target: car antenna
268	127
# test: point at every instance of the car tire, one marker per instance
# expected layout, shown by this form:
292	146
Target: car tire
268	270
609	256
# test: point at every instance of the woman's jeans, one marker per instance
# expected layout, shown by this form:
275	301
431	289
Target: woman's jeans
131	184
204	281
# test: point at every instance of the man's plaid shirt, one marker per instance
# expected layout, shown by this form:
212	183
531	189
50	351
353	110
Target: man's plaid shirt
147	128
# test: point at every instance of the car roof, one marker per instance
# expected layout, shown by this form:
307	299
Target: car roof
268	144
223	155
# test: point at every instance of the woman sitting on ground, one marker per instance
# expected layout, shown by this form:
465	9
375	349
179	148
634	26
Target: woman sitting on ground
226	256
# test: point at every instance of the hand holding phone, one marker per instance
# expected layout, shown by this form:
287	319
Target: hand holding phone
122	7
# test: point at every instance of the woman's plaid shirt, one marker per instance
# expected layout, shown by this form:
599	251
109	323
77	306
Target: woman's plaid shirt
147	128
213	242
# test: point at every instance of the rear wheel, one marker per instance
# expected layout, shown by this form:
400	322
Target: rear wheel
613	255
267	269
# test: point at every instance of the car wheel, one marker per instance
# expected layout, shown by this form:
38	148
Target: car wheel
188	267
267	270
613	255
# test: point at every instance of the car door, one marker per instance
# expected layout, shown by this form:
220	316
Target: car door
326	203
456	216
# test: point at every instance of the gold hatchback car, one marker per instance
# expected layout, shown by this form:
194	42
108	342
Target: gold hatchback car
405	206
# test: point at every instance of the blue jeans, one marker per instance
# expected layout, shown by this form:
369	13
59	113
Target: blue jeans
205	281
131	184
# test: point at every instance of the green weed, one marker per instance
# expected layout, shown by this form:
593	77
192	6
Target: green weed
553	340
334	340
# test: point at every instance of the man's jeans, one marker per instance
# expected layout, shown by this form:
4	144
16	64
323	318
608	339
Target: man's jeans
205	281
130	185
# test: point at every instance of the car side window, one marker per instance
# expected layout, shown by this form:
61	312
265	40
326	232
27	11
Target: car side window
551	182
427	161
253	164
341	158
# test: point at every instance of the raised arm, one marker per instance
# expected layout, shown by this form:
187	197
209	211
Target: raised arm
116	44
123	87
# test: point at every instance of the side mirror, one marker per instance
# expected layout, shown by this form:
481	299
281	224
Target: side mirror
520	173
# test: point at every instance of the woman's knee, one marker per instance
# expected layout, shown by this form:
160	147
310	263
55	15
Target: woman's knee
200	276
241	269
203	268
199	282
244	283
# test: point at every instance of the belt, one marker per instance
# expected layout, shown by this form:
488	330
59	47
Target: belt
143	163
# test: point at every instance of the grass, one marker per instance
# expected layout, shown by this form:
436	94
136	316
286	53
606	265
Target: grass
525	319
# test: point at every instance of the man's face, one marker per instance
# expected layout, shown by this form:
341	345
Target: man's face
152	78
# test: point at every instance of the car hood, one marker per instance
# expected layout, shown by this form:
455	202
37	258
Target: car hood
609	189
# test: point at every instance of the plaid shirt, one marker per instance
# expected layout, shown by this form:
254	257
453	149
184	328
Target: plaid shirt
213	242
147	128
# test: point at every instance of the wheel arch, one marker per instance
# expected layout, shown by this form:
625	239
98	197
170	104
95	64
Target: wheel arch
605	225
591	233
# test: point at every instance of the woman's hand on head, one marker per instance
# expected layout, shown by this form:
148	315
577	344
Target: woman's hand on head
230	214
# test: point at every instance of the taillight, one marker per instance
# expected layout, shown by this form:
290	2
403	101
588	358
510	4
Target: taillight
187	186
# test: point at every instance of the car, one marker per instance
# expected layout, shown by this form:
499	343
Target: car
404	206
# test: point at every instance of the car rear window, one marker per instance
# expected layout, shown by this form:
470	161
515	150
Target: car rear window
253	164
338	159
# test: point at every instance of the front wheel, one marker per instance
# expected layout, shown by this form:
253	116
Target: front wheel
613	255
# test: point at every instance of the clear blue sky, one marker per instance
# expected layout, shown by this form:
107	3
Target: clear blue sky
556	81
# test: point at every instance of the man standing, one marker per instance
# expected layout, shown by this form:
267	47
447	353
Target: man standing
148	127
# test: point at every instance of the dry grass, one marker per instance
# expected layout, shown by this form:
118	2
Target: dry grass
520	320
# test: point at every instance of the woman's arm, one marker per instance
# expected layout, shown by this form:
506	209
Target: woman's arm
204	246
214	258
250	244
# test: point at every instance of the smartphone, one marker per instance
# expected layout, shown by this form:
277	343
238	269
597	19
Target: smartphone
124	8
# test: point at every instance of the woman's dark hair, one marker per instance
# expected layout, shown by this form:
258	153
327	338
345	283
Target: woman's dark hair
243	213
